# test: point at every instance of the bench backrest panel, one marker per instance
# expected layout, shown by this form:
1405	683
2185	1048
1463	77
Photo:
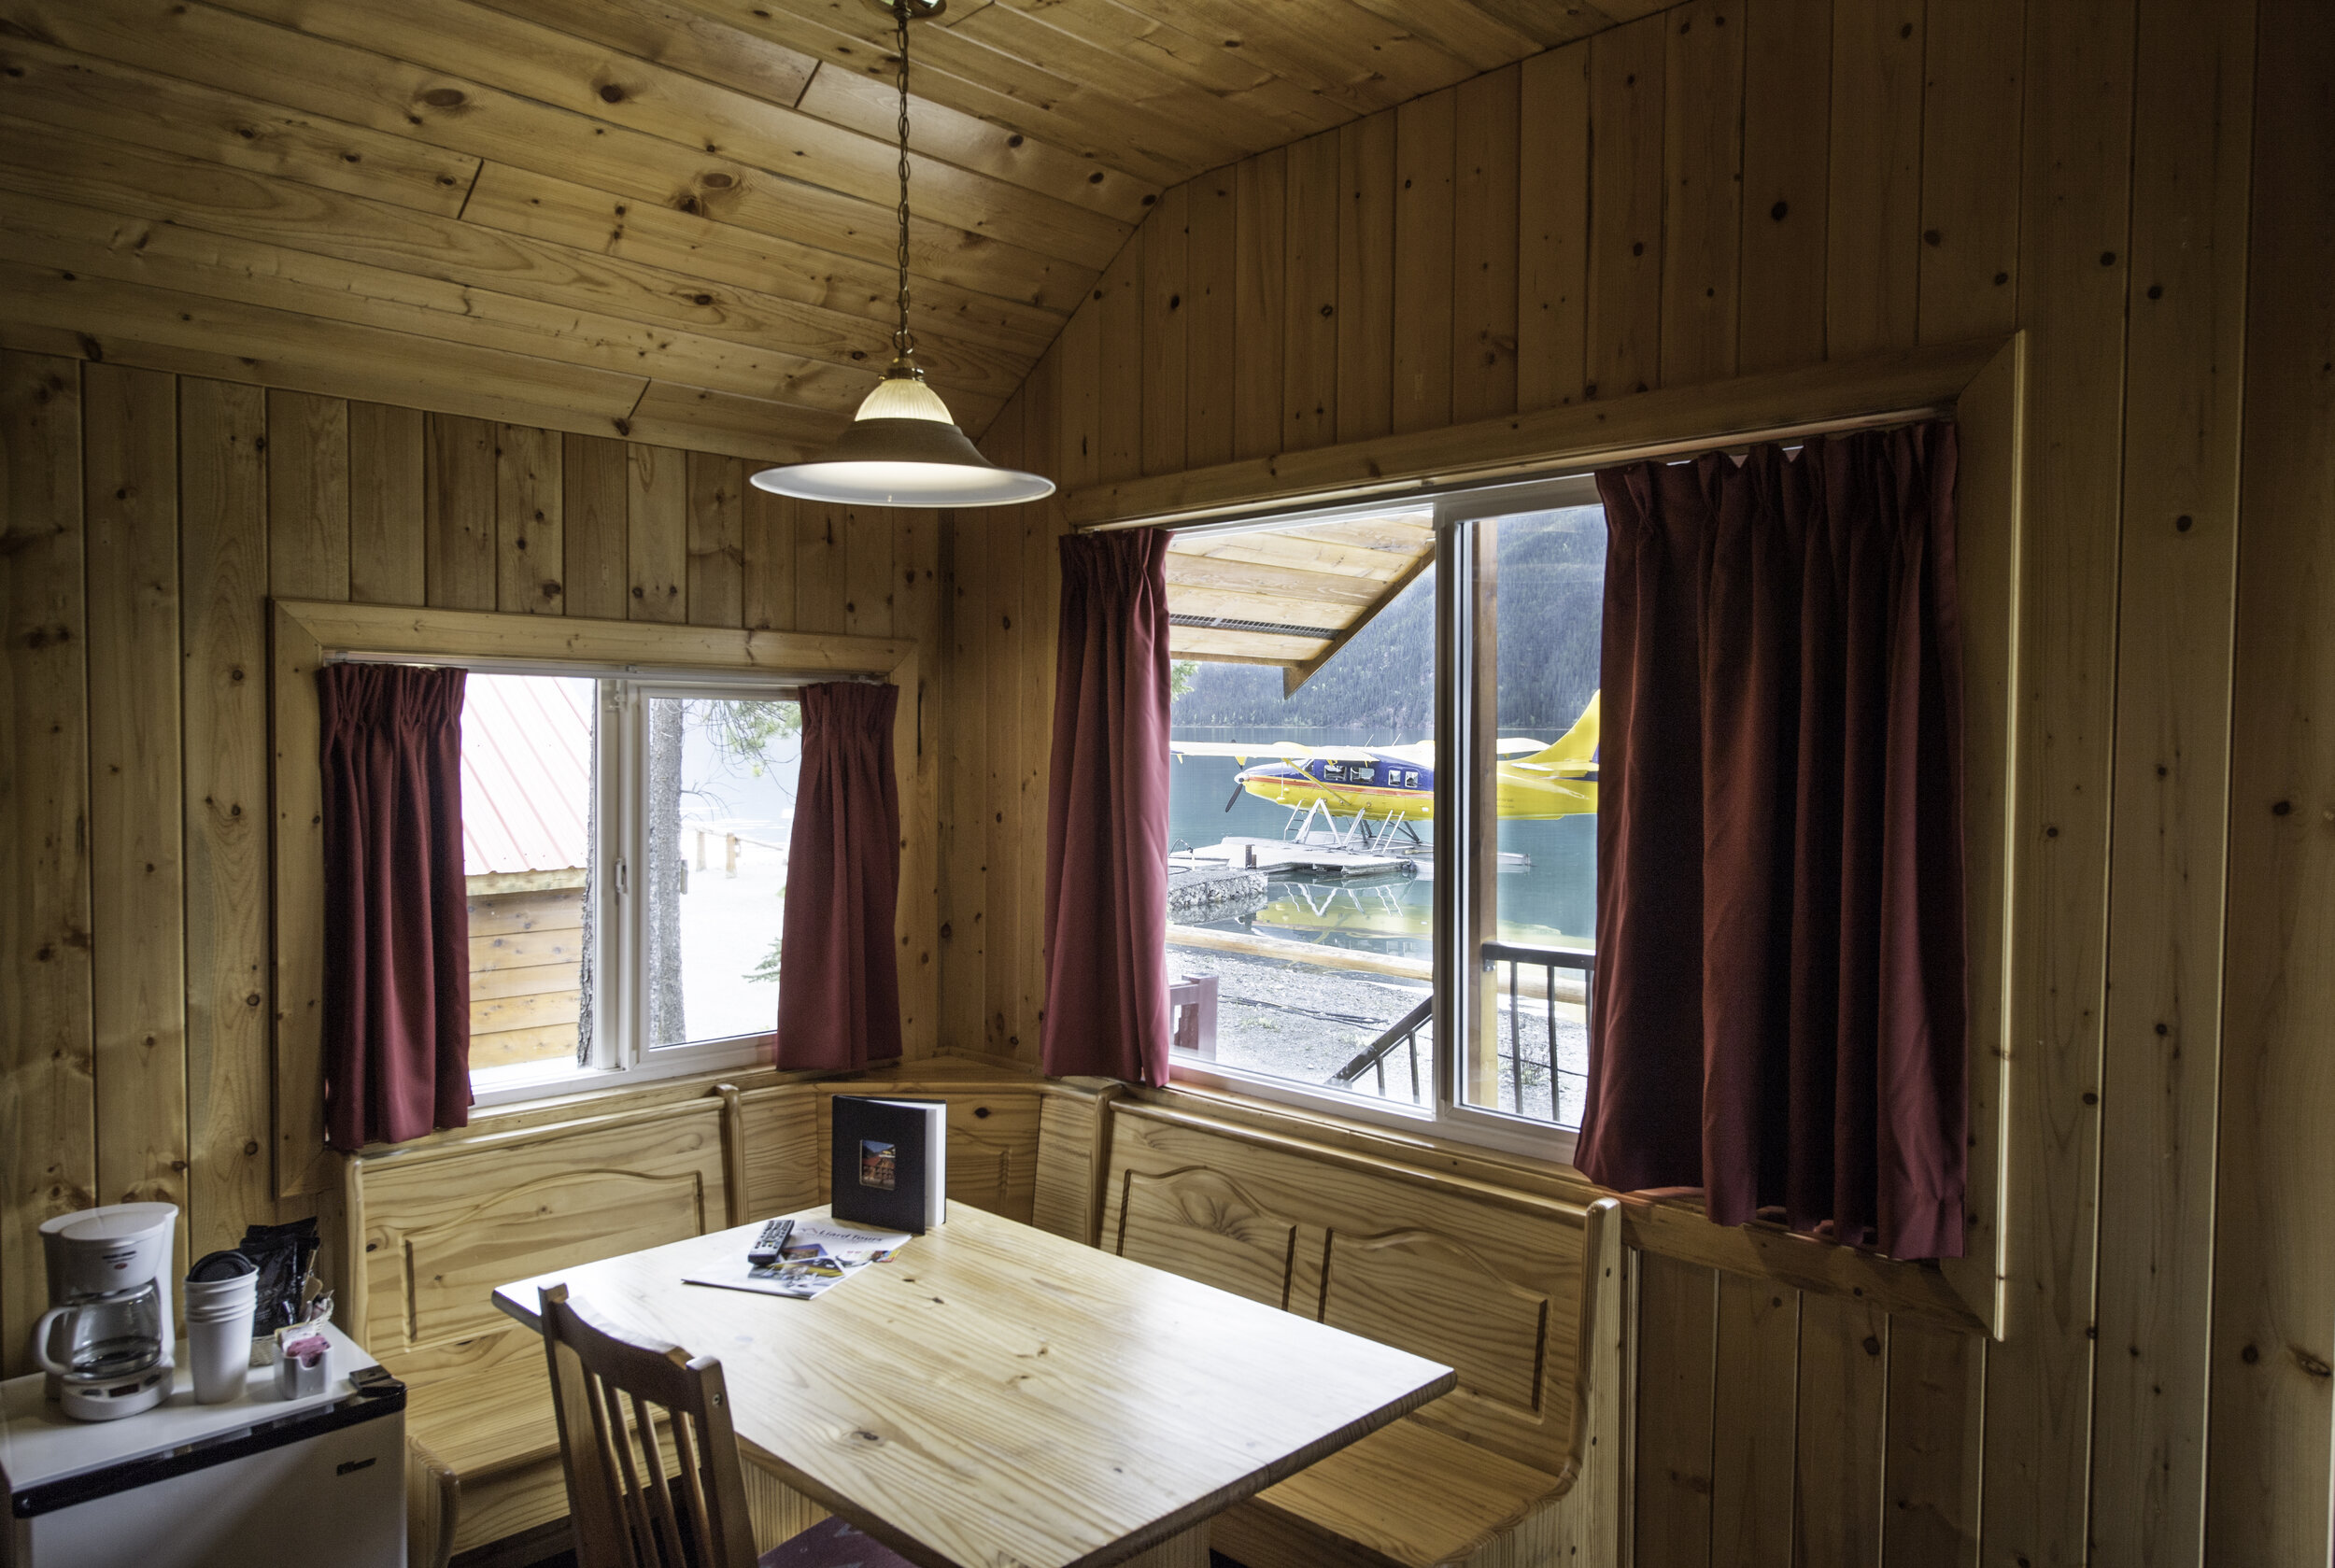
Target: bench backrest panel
1487	1282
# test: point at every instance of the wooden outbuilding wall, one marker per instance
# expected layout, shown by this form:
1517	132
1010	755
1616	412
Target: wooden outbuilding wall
2143	188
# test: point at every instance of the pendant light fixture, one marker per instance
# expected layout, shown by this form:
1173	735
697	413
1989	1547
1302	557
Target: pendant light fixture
903	449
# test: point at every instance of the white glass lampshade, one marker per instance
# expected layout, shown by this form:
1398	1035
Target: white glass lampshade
902	449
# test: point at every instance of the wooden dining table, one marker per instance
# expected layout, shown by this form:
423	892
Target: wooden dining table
996	1396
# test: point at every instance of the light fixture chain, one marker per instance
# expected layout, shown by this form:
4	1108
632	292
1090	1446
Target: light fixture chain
903	341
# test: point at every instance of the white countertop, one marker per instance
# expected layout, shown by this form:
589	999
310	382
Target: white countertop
40	1444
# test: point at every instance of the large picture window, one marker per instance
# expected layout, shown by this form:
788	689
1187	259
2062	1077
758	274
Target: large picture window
625	856
1383	867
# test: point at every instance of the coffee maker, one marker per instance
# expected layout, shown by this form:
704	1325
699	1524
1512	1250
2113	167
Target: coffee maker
105	1341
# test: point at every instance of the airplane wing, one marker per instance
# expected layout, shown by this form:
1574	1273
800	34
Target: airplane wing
1286	751
1520	745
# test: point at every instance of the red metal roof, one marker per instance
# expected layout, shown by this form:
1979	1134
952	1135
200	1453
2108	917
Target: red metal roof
526	773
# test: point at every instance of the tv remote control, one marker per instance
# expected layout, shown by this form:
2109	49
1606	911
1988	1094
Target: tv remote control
768	1247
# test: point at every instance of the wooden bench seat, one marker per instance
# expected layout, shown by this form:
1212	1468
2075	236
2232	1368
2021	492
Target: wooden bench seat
1505	1287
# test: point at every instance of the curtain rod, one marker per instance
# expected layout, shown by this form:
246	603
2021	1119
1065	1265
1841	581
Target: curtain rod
673	674
1368	497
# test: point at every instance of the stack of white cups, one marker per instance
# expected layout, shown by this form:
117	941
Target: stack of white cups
222	1303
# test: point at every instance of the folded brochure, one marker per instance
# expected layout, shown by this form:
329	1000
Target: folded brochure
819	1255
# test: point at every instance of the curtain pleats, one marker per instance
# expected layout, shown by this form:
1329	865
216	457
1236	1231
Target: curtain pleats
838	1001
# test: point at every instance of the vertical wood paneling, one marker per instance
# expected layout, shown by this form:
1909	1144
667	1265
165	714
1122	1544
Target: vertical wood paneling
48	1115
1843	1393
460	513
1625	221
1426	133
595	576
964	833
822	572
1702	190
1310	307
866	533
1213	342
2073	232
916	614
657	534
130	470
530	561
1754	1419
1937	1381
1484	248
387	556
716	540
307	496
1261	187
1787	135
1873	217
2274	1291
1006	636
1166	238
1077	356
2175	580
1677	1346
1971	92
767	568
1552	227
1119	365
1365	277
1040	573
223	531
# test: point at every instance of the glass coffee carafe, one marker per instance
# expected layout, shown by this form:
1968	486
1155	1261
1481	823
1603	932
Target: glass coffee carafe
103	1337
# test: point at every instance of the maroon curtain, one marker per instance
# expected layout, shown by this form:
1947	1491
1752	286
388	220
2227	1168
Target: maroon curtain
396	920
1778	1014
1107	813
838	996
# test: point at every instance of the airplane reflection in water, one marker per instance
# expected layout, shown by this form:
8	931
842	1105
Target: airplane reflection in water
1396	783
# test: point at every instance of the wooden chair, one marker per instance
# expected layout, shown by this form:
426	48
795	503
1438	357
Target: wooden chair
619	1497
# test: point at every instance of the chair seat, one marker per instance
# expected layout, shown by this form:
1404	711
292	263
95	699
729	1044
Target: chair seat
831	1542
1407	1496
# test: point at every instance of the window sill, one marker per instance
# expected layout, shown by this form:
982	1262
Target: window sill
534	1082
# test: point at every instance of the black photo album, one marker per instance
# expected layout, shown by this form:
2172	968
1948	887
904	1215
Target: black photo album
890	1163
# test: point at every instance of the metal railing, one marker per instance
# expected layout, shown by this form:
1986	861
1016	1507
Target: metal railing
1548	960
1404	1034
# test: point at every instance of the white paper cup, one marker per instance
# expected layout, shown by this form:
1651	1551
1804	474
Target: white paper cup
219	1350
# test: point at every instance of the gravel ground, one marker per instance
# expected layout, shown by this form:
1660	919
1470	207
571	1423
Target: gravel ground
1296	1021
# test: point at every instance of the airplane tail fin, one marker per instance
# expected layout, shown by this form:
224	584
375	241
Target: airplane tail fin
1575	752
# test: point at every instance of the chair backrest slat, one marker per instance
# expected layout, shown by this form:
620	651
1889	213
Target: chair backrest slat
622	1504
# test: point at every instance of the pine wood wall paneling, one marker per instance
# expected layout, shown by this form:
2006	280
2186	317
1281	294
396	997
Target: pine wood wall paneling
1873	215
1484	248
1676	1358
1702	190
1076	357
1119	366
307	496
1971	82
594	576
1366	183
224	527
1844	1392
48	1116
717	540
1040	571
387	554
1261	300
1213	349
1552	206
822	569
1426	133
916	614
995	532
965	832
1754	1421
2275	1289
1930	1464
1310	305
2176	574
137	878
459	497
531	565
867	535
656	534
1625	219
1787	132
2073	232
767	565
1166	239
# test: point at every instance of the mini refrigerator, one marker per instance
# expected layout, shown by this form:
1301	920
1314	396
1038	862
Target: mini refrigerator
258	1481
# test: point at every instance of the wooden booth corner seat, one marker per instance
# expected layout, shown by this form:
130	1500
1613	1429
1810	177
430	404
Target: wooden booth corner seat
1518	1293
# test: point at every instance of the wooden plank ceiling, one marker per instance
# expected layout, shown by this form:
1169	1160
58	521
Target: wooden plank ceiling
670	220
1290	597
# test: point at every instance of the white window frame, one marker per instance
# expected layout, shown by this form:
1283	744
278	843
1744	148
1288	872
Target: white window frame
620	1054
1448	1116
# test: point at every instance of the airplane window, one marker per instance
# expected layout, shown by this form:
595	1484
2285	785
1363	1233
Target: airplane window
1410	780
